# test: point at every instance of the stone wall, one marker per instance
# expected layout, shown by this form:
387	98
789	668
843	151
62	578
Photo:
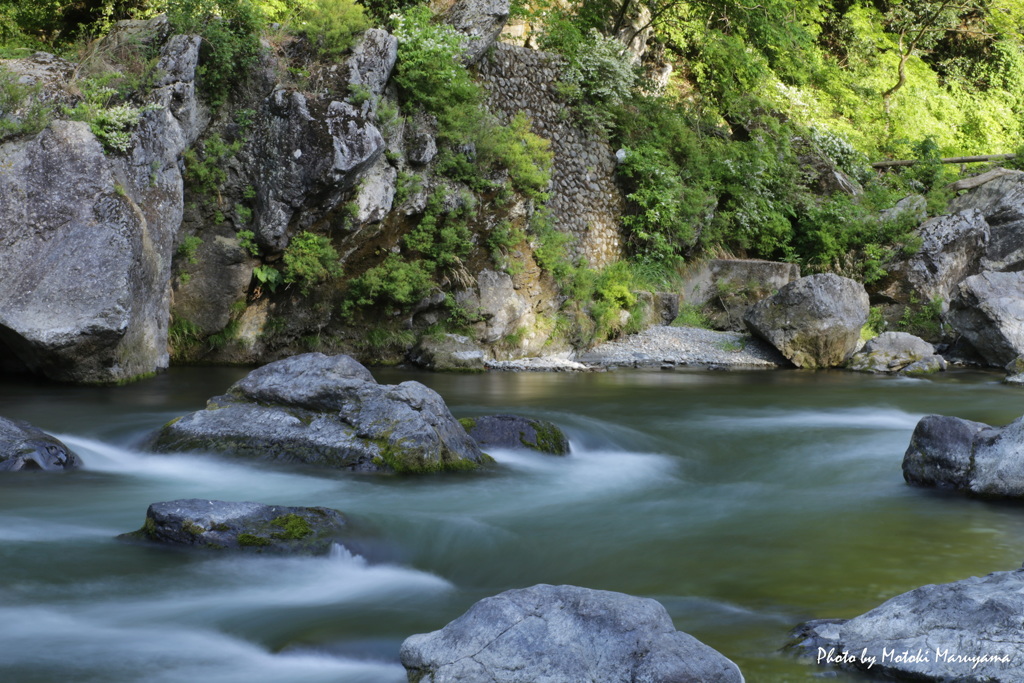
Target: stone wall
585	200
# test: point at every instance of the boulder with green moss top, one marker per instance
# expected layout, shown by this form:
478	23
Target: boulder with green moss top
25	447
254	527
514	431
328	411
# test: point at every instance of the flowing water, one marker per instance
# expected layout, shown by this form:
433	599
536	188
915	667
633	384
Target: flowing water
746	502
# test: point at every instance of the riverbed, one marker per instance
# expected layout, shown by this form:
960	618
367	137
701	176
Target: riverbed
744	501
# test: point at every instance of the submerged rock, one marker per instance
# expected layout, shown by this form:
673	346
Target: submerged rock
25	447
967	631
327	410
514	431
815	321
897	352
988	310
566	634
972	457
255	527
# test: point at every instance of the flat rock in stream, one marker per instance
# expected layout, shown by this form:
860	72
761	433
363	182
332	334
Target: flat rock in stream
25	447
254	527
566	634
968	631
327	410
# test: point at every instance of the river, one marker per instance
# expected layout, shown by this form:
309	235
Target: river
746	502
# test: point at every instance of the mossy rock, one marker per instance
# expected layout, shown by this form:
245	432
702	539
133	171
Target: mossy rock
515	431
250	527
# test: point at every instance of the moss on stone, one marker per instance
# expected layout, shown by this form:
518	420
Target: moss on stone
467	423
252	541
193	529
549	438
294	527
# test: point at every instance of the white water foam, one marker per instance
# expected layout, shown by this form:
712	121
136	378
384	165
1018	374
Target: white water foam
91	644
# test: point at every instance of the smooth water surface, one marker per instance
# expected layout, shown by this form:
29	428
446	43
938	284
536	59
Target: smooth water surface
746	502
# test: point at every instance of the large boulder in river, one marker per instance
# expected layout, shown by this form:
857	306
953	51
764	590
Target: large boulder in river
87	236
897	352
566	634
221	525
1001	202
25	447
988	310
972	457
449	352
967	631
327	410
815	321
516	431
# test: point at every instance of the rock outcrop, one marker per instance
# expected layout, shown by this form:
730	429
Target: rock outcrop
952	248
971	457
988	310
326	410
87	237
515	431
897	352
567	634
815	321
253	527
968	631
24	447
481	22
449	352
1001	202
725	289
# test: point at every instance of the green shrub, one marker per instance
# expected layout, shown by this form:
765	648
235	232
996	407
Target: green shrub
269	276
247	241
310	260
332	26
395	283
188	248
205	169
22	111
230	30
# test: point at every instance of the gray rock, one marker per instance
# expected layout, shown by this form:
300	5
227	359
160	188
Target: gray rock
967	631
952	249
373	59
500	307
219	279
566	634
971	457
376	193
940	451
302	148
86	238
897	352
727	288
449	352
815	321
481	21
420	144
25	447
988	310
326	410
914	207
514	431
252	527
1001	201
926	366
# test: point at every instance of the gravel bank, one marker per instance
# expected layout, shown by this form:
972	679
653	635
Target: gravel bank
664	347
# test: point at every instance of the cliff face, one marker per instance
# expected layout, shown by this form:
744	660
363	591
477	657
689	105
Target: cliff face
187	235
